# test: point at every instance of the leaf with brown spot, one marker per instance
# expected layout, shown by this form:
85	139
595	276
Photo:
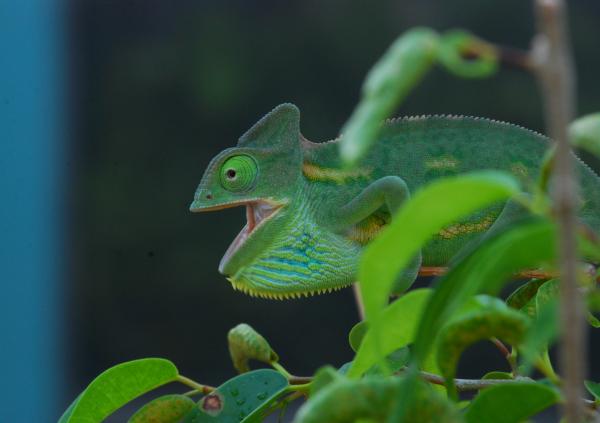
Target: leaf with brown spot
241	399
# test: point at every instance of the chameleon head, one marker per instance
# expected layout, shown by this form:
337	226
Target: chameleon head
260	173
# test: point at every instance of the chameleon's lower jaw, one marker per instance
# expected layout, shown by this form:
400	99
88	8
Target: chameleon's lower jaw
278	295
257	213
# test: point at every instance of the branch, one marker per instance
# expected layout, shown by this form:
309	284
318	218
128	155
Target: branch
472	384
554	69
525	274
515	58
197	387
359	301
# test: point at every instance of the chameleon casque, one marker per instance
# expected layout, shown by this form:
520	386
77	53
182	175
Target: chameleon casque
308	216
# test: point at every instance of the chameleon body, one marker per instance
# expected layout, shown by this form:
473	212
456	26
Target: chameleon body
308	217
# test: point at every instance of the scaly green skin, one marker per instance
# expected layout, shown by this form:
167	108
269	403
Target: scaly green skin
317	215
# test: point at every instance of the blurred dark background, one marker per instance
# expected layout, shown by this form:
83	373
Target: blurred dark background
160	87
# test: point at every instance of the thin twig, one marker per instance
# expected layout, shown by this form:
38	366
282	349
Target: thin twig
525	274
300	380
472	384
202	389
514	58
294	380
359	302
500	345
507	355
554	69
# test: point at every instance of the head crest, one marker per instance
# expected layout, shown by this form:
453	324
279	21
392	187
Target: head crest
280	128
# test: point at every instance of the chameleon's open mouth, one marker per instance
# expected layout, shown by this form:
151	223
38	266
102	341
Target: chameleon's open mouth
257	212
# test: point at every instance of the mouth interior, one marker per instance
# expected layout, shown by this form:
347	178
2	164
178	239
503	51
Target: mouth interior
256	213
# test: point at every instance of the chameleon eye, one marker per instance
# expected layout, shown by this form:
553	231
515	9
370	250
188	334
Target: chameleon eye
238	173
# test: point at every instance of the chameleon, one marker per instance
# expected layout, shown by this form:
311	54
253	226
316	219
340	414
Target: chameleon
308	216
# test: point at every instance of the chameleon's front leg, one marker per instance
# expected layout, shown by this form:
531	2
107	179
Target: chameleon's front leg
389	192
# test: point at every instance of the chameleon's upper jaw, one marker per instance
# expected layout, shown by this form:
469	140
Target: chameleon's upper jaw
257	212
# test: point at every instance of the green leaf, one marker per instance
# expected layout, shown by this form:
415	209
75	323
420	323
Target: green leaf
467	56
593	388
593	304
510	403
593	300
389	81
347	401
497	376
426	405
585	133
593	320
523	245
431	209
69	411
165	409
398	328
343	369
246	344
241	399
541	333
493	321
393	363
548	292
117	386
356	335
323	377
523	294
373	398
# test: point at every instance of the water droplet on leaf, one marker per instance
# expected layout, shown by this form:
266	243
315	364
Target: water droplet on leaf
261	396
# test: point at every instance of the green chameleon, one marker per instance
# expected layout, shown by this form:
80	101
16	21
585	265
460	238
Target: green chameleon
308	217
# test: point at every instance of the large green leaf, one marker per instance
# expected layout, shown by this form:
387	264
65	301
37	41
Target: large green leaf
165	409
241	399
374	399
495	320
247	344
399	322
510	403
521	246
432	208
425	405
117	386
389	81
350	400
